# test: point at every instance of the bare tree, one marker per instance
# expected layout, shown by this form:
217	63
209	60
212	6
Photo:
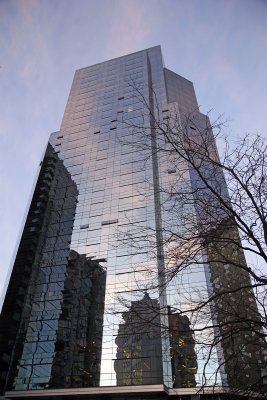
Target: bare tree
211	210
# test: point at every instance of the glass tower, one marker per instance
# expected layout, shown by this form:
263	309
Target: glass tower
87	311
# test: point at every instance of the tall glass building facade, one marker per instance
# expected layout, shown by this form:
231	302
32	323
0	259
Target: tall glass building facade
87	312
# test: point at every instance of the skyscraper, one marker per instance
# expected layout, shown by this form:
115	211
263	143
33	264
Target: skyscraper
87	310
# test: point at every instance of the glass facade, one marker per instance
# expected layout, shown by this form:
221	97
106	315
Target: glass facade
82	308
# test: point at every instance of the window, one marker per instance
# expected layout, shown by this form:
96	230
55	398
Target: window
108	222
84	226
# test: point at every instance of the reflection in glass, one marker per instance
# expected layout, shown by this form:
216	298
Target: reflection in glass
80	328
183	354
139	360
139	352
43	252
58	343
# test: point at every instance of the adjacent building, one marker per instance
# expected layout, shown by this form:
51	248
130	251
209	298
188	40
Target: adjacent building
90	310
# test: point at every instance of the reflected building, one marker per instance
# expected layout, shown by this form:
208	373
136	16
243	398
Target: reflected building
139	357
53	326
183	354
75	322
30	314
79	336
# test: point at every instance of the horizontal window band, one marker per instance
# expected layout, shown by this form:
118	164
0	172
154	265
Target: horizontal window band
132	254
131	272
130	358
132	290
84	226
108	222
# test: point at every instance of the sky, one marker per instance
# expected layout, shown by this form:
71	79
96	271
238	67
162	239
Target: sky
219	45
